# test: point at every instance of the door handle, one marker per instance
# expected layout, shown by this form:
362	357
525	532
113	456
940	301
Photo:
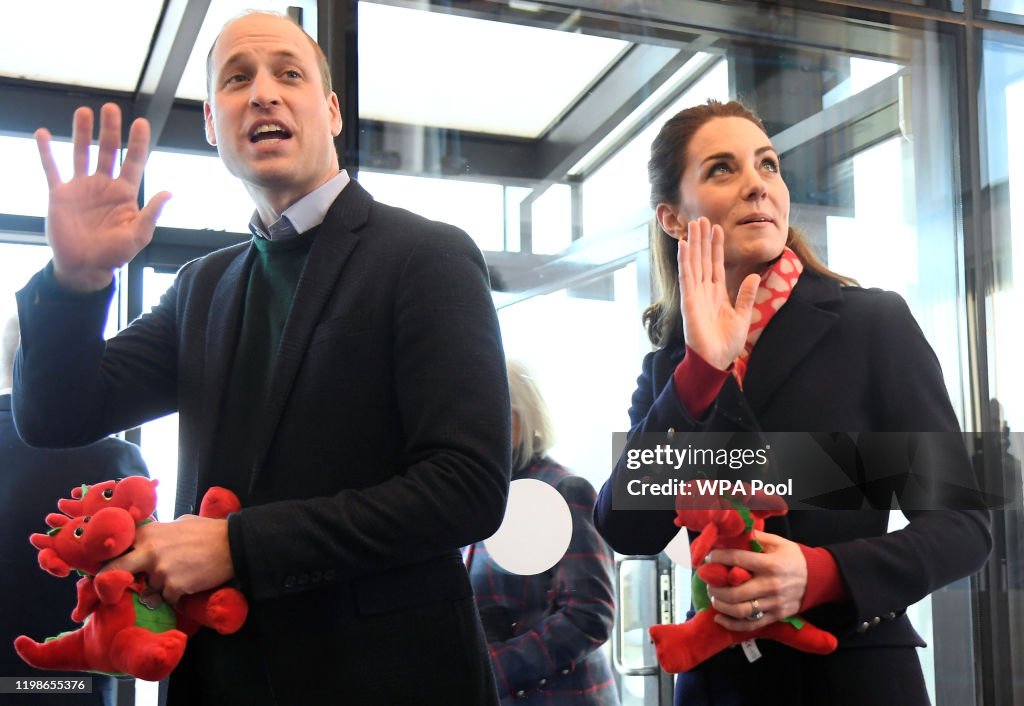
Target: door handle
656	605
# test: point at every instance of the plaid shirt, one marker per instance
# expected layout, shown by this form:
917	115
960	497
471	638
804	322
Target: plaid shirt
544	631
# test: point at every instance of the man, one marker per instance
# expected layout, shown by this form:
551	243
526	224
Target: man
342	373
31	481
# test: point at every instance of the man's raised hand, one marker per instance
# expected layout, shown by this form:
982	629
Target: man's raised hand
94	224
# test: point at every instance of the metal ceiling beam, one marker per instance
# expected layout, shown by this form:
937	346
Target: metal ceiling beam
173	247
845	112
172	45
622	90
766	22
489	157
184	130
528	275
29	105
556	16
428	151
641	69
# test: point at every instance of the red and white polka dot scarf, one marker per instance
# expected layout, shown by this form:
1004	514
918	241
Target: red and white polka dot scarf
777	284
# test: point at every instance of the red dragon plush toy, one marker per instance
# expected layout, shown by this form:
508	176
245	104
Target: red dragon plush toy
726	522
136	494
121	633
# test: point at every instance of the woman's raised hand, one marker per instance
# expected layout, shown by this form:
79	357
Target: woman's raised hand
715	327
94	224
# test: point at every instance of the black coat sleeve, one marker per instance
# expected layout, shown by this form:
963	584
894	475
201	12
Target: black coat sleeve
949	534
70	382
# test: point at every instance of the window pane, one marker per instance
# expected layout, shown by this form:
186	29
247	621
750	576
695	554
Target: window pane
514	196
584	413
19	261
27	194
617	196
1003	183
475	56
475	207
58	41
551	220
204	194
1015	7
160	436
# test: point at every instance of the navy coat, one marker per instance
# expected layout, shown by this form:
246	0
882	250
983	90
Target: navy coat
833	359
382	448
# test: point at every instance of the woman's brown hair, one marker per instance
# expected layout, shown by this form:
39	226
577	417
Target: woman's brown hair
665	172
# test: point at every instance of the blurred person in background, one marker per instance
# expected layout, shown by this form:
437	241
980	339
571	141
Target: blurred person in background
545	631
31	481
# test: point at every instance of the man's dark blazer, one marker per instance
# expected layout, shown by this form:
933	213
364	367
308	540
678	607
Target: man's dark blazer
833	359
31	481
382	448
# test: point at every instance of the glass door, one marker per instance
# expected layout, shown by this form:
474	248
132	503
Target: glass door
583	345
1003	259
864	114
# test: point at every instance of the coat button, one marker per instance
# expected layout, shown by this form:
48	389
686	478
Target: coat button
889	616
289	582
671	432
520	694
863	627
542	682
564	672
876	620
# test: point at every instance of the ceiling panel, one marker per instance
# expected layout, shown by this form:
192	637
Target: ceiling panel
441	70
99	45
416	67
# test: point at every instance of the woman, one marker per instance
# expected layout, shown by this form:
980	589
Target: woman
776	342
544	631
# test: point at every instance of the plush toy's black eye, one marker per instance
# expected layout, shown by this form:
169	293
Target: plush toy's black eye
108	493
79	531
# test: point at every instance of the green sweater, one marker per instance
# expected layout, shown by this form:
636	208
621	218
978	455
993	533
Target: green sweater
268	298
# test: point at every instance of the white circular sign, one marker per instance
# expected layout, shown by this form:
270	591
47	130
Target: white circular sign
536	529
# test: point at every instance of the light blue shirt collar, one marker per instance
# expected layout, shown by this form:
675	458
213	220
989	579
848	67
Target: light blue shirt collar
308	212
5	391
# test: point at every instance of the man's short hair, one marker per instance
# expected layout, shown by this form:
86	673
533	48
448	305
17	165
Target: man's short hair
321	58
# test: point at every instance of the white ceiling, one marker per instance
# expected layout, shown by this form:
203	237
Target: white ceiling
429	68
415	67
100	45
